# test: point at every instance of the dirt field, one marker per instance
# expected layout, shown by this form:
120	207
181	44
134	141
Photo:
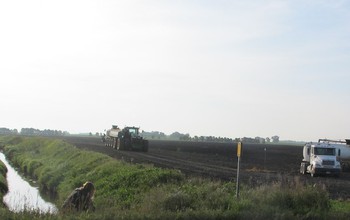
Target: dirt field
260	163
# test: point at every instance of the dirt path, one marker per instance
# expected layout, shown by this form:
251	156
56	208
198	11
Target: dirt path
260	164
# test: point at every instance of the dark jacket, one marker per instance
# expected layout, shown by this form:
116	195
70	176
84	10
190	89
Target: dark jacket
80	200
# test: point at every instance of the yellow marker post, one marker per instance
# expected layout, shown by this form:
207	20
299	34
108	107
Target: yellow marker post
239	153
239	149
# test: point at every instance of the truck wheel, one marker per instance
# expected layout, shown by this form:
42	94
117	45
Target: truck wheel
303	168
312	171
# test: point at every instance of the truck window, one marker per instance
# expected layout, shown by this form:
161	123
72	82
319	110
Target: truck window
324	151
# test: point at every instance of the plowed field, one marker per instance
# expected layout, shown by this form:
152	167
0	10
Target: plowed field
260	163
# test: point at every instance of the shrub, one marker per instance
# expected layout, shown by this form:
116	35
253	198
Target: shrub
178	201
290	200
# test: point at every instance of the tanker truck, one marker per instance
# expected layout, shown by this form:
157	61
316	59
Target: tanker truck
325	157
127	138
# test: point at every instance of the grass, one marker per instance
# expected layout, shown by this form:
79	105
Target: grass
126	191
3	182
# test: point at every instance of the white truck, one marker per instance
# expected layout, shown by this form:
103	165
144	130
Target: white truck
325	157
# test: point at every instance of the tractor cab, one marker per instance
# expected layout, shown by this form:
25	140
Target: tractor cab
133	131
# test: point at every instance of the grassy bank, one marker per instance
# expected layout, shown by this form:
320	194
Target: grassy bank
3	182
3	186
144	192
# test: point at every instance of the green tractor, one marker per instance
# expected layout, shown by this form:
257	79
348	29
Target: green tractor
126	139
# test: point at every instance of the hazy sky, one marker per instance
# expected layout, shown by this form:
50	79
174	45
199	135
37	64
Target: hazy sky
221	68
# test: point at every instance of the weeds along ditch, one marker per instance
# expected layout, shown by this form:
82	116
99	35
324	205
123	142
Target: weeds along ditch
3	184
129	191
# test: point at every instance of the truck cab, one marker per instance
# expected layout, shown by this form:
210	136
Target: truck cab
321	158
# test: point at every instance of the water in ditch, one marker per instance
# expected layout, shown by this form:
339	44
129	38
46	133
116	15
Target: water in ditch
22	196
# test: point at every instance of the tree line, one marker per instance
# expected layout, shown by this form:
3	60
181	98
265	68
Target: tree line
157	135
33	132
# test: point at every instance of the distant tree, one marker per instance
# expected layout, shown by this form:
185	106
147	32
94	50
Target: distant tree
153	135
209	138
185	137
249	140
260	140
275	139
30	131
175	136
5	131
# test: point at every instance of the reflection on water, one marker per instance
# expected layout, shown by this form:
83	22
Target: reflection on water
22	196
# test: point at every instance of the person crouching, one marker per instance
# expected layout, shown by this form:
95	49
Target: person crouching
81	199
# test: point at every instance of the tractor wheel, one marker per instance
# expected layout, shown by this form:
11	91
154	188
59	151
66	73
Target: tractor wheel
145	146
128	144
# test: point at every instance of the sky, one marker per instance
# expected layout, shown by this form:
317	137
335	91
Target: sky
207	68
